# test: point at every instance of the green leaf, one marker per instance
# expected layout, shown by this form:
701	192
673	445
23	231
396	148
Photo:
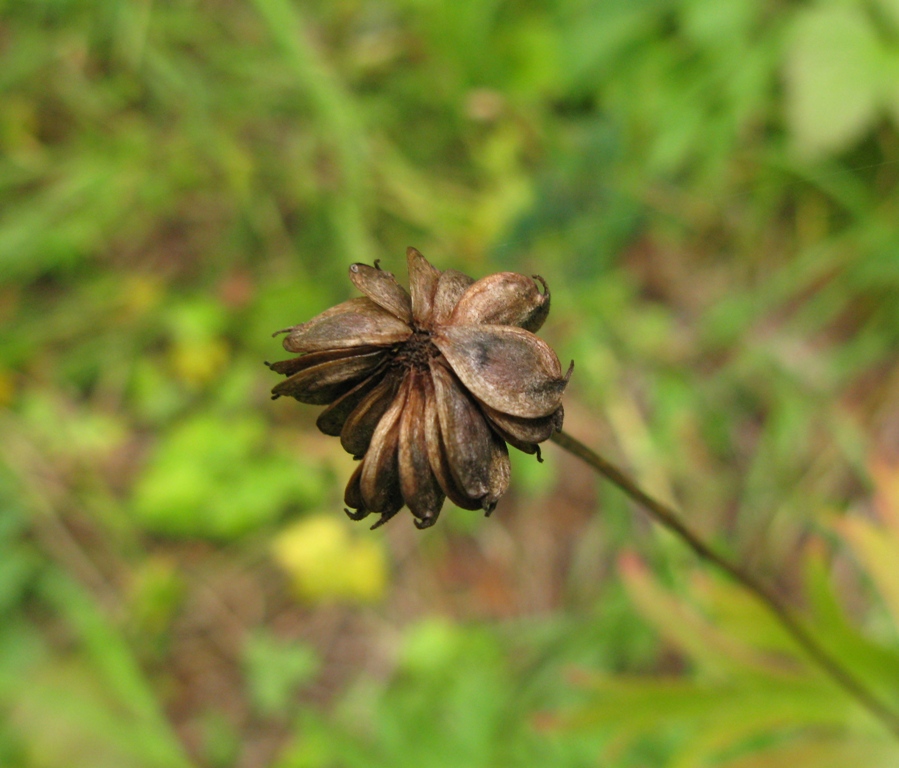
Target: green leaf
707	645
275	670
119	708
833	72
208	477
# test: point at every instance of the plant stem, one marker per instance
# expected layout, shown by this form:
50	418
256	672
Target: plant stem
669	518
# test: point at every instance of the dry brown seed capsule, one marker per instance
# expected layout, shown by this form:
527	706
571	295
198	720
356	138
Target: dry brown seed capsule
418	483
354	323
332	420
505	367
506	298
466	436
517	430
380	480
450	288
426	389
383	289
423	280
361	424
321	384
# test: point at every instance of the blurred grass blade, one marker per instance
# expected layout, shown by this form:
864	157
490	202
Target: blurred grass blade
118	669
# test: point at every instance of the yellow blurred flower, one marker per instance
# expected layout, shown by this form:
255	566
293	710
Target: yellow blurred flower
326	563
142	293
197	362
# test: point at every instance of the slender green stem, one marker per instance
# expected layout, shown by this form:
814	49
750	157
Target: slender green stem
670	519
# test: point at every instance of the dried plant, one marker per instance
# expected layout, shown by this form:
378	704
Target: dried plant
426	387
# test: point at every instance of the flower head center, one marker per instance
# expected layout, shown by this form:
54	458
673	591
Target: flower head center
416	351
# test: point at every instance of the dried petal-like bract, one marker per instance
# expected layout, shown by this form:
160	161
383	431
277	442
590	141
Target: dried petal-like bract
383	289
320	384
466	436
354	323
380	479
508	368
450	288
360	425
423	280
419	485
426	388
506	298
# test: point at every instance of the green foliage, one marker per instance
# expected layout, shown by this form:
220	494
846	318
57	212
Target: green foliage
835	77
190	486
275	670
454	701
755	697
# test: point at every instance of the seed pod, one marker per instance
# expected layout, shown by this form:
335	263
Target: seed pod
354	323
505	367
322	383
426	389
450	288
423	280
383	289
506	298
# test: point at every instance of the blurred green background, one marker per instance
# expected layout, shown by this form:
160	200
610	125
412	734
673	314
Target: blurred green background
710	189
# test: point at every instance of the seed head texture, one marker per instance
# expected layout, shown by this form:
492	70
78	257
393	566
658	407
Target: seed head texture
426	387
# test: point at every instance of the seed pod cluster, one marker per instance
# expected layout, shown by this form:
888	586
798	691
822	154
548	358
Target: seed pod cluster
425	388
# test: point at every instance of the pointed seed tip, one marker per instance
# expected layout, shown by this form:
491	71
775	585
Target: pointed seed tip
357	515
383	519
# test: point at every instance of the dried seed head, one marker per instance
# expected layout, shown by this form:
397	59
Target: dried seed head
426	388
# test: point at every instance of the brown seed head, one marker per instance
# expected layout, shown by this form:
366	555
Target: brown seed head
426	387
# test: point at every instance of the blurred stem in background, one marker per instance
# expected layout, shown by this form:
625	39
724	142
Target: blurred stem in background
670	519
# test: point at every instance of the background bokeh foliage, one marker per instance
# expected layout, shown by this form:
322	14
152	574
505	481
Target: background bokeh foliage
710	189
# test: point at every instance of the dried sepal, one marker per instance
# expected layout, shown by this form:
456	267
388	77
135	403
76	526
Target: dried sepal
466	436
505	367
353	323
450	287
506	298
352	496
360	425
423	279
523	430
383	289
499	474
297	364
417	482
380	479
321	384
332	420
437	453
